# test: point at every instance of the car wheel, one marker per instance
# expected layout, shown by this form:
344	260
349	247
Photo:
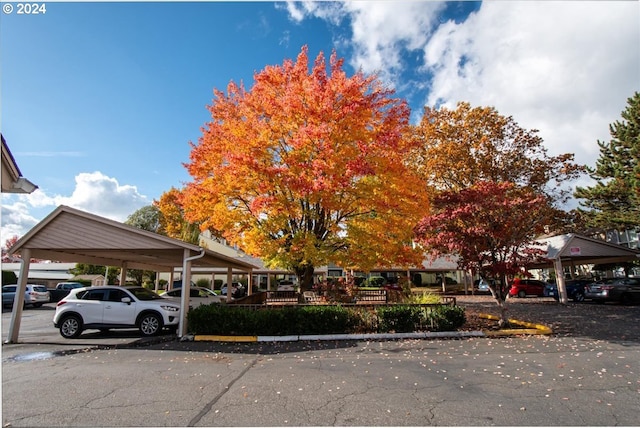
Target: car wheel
521	293
37	305
71	327
578	297
150	324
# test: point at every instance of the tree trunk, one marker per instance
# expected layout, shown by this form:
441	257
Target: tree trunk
499	292
304	273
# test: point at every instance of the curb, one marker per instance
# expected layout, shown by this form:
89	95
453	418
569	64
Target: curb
320	337
532	329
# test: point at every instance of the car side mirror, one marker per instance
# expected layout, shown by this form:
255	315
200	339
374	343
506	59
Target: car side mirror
126	300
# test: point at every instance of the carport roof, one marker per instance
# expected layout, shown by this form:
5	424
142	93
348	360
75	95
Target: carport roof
579	249
71	235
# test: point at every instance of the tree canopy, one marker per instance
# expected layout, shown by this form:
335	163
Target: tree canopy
495	190
613	202
457	148
171	217
146	218
490	226
307	167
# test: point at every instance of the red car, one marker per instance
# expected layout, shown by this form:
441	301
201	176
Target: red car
527	287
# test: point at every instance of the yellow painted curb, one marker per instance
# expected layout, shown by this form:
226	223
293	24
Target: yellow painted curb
532	328
212	338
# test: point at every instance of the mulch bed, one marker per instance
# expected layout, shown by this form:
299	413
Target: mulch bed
473	321
611	322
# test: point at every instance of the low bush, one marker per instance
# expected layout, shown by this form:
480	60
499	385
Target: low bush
203	282
398	318
447	318
221	319
9	277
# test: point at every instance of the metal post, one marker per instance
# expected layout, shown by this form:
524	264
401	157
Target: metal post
229	283
186	290
562	287
123	274
18	300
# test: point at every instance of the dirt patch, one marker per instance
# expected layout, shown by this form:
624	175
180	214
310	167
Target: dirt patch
611	322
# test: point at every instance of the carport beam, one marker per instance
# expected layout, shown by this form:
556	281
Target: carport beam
186	290
229	284
18	300
562	287
123	274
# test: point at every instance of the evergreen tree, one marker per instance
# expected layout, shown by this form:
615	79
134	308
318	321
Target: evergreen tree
614	201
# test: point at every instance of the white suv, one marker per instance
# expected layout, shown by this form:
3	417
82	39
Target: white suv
107	307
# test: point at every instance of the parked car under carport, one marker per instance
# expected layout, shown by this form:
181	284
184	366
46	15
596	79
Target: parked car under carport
623	290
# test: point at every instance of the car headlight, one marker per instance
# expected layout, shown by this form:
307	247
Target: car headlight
170	308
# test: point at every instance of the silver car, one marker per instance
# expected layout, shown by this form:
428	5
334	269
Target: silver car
623	290
35	295
197	296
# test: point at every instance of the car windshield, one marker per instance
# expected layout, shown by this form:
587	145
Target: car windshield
144	294
40	288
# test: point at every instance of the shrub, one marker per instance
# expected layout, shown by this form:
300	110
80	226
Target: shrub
398	318
203	283
9	277
447	318
222	319
228	320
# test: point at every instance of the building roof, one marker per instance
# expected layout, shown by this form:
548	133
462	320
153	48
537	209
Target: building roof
12	179
579	249
72	235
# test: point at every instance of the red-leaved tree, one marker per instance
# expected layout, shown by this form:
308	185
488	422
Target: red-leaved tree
491	227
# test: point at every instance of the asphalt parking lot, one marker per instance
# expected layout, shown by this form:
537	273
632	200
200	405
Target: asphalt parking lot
574	377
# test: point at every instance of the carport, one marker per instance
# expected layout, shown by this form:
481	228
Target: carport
74	236
572	250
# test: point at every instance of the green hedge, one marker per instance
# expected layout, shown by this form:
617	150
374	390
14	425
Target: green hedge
220	319
9	277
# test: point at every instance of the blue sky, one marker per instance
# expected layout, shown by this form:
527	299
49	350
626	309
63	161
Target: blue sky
100	100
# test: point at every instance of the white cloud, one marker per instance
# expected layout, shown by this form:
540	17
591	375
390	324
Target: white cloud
564	68
329	11
16	220
385	31
381	31
102	195
560	67
94	192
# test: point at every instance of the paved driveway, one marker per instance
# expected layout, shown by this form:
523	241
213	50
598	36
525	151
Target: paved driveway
517	381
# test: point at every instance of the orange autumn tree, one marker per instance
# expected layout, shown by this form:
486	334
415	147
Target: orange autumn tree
306	168
457	148
172	221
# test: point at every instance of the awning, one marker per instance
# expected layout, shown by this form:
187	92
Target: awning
576	249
